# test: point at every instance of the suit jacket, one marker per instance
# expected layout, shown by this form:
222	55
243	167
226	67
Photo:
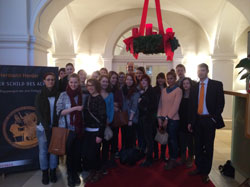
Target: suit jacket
215	102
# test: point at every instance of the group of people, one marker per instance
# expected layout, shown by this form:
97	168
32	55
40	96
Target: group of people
188	111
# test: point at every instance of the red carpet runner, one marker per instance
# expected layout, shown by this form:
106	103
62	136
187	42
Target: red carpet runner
154	176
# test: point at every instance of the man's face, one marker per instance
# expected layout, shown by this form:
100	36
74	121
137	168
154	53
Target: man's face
202	72
180	72
130	68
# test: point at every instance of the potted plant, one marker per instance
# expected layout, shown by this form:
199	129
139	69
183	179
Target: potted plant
245	64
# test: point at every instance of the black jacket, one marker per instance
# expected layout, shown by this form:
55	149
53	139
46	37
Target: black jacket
43	113
215	102
63	84
148	104
97	106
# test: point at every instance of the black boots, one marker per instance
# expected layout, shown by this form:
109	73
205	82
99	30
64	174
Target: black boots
73	179
77	179
45	177
53	177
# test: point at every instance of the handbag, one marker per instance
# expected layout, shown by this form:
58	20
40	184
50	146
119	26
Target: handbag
120	118
161	137
108	133
58	140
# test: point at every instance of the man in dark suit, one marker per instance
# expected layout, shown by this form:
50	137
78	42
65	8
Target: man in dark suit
206	106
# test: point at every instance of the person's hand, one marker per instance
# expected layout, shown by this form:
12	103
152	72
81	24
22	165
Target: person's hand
160	123
116	109
130	123
78	108
98	140
190	128
139	100
165	124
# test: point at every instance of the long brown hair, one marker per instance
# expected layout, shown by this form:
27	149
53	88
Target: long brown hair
105	76
129	92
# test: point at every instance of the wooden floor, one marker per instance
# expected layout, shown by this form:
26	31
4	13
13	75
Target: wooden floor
221	155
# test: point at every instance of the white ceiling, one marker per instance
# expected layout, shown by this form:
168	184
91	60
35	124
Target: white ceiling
207	13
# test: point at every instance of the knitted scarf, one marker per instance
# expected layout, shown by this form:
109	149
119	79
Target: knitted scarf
76	116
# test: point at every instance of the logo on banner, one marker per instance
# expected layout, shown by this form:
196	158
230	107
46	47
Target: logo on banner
19	128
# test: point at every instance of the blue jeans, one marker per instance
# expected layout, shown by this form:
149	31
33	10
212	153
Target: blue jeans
172	130
47	160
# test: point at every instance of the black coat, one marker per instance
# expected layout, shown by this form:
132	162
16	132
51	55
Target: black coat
43	113
63	84
148	104
215	102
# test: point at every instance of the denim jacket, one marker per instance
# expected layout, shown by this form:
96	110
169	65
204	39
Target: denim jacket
131	105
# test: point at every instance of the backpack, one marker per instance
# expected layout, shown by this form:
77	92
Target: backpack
129	156
227	169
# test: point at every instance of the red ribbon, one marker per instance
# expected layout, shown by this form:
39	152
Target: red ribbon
167	45
166	37
130	42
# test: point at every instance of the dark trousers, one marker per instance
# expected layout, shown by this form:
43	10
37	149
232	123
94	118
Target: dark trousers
91	152
109	148
128	136
187	141
114	140
73	152
172	130
140	135
204	144
148	132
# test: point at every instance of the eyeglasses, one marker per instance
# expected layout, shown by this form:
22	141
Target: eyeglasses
89	85
50	79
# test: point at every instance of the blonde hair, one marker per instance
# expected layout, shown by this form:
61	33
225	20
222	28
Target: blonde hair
74	75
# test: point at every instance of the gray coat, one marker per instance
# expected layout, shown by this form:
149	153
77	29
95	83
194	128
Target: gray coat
63	102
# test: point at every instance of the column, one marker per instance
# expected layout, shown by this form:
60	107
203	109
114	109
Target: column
223	69
14	36
62	60
108	63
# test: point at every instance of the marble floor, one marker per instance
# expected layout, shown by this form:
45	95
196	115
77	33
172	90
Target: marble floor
221	155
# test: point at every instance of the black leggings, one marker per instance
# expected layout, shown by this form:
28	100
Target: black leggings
128	136
73	152
91	152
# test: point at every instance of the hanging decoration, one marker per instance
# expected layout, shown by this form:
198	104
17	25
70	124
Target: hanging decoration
152	42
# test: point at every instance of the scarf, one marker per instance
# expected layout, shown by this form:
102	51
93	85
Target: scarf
77	115
44	104
169	90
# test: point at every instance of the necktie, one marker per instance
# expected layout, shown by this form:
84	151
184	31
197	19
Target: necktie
201	99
